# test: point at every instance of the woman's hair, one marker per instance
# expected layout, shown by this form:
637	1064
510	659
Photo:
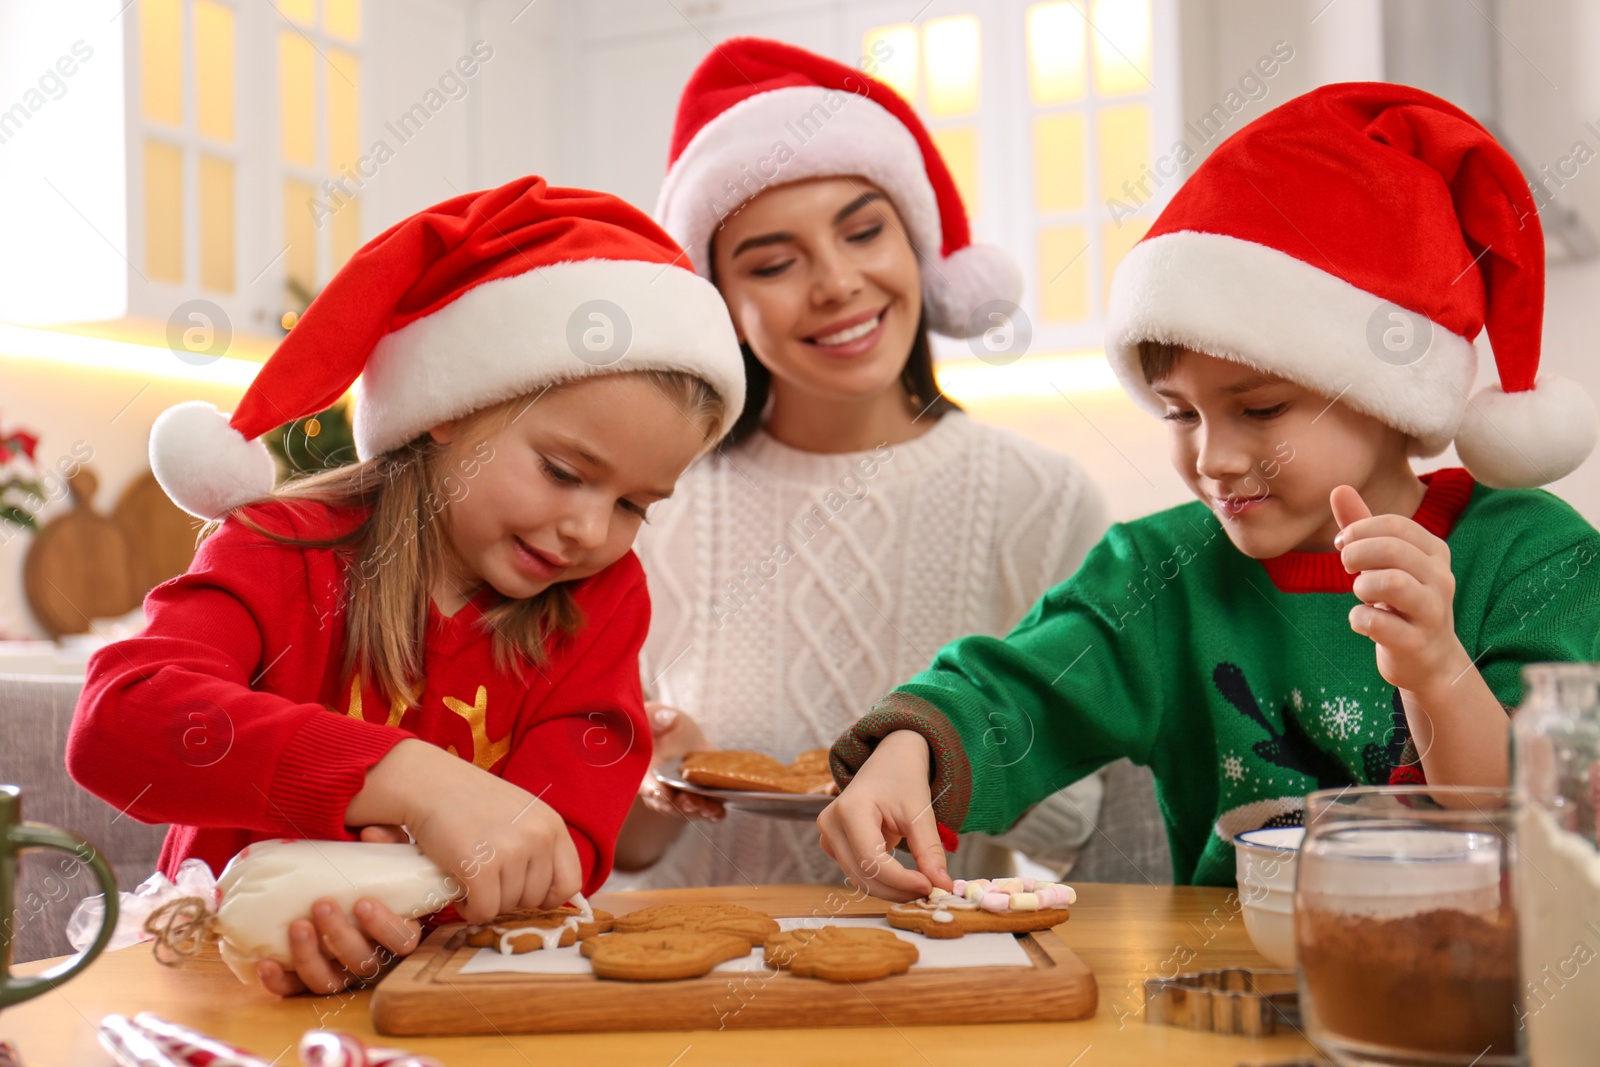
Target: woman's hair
1157	358
397	553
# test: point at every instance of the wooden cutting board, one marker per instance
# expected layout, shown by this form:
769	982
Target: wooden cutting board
80	566
428	994
160	534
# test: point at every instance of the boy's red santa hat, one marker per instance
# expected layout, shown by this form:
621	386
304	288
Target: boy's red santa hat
1299	246
759	113
483	298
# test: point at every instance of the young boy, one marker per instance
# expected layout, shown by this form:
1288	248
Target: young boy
1302	315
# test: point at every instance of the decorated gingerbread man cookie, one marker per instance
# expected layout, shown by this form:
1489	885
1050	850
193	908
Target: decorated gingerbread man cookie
982	905
527	931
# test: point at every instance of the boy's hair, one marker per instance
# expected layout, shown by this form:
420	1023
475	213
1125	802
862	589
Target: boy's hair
397	553
1157	358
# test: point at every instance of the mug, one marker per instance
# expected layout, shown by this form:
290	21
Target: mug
15	837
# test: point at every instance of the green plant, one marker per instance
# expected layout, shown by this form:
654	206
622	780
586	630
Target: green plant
17	447
315	443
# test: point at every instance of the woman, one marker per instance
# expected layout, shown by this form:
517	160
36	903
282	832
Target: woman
854	519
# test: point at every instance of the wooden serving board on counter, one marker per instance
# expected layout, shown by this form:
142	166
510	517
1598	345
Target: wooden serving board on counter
428	995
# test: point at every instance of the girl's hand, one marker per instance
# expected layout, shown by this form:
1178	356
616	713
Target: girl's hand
508	848
675	734
887	802
386	835
1404	581
331	951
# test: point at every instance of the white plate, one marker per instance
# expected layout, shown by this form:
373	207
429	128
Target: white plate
799	807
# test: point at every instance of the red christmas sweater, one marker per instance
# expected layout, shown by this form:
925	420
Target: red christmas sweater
228	716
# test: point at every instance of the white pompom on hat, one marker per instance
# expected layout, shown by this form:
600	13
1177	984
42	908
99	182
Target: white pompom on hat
483	298
1355	240
758	113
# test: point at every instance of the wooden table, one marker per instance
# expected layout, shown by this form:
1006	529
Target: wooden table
1125	933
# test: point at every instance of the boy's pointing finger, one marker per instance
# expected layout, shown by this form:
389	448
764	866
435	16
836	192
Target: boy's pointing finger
1348	507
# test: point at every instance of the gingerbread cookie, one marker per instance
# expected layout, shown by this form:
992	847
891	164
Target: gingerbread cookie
759	772
527	930
840	954
979	905
661	955
754	926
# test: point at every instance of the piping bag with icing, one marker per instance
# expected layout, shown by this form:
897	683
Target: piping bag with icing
262	890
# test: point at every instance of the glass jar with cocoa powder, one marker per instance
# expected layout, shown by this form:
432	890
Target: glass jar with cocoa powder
1405	929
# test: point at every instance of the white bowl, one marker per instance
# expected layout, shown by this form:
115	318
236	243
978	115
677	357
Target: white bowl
1264	866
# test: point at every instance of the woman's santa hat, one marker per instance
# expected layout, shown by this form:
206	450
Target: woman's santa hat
760	113
477	300
1355	240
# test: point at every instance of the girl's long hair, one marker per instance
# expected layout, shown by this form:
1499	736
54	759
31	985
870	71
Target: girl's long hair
395	556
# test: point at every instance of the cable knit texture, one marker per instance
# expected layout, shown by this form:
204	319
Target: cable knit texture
790	590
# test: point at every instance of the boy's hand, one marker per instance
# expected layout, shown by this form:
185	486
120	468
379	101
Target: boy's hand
675	734
1404	581
887	802
331	951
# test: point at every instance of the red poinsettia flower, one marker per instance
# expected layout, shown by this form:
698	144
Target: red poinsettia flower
15	442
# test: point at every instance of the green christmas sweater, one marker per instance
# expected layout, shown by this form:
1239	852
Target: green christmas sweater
1237	681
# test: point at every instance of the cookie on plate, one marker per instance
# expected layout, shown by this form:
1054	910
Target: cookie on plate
758	772
527	930
840	953
661	955
754	926
982	905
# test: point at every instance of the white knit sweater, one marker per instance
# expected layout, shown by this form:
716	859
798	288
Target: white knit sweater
790	590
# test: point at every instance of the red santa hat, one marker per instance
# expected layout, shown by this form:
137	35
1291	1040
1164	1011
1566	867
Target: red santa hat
1355	240
760	113
480	299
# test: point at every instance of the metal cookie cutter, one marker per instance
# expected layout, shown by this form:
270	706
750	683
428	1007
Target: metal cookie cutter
1237	1000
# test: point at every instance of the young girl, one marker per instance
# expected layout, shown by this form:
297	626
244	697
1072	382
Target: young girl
1302	314
444	636
854	520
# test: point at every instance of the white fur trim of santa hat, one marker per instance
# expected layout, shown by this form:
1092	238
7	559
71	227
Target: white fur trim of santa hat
206	466
1247	302
800	132
513	335
1244	301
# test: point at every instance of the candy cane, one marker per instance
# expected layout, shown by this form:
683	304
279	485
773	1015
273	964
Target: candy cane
129	1046
191	1048
330	1048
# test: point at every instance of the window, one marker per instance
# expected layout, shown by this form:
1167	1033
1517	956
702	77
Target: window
319	108
935	66
189	136
195	123
1068	96
1090	134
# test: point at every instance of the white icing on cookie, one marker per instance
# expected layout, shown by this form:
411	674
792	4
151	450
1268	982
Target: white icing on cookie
550	937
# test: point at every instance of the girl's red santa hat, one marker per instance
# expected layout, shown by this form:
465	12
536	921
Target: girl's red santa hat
1355	240
483	298
760	113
